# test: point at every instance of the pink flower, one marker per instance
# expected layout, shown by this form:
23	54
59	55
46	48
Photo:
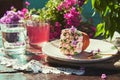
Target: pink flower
69	3
57	24
103	76
74	11
66	13
24	10
12	8
90	35
73	18
27	3
93	28
59	8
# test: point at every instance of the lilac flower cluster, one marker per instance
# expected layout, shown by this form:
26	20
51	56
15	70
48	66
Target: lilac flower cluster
73	29
73	18
12	17
70	13
66	4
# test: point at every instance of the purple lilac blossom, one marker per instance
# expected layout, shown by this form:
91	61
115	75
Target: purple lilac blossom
59	8
12	17
21	14
73	29
2	20
70	13
69	3
15	19
73	18
66	4
7	20
74	42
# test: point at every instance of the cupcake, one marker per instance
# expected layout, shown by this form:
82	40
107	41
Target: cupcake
73	41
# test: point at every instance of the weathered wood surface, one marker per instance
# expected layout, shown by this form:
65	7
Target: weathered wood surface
90	75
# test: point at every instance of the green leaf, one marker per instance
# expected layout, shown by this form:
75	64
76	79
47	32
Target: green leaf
75	53
106	11
106	34
110	14
100	29
93	2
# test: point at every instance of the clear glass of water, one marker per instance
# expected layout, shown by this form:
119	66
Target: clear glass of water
13	38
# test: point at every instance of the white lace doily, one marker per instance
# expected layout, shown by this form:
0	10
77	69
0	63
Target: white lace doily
37	67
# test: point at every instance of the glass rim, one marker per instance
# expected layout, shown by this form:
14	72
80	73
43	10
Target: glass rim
36	23
33	21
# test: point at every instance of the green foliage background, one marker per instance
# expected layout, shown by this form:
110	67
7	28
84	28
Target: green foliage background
110	12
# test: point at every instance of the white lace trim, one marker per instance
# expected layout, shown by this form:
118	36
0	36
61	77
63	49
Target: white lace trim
37	67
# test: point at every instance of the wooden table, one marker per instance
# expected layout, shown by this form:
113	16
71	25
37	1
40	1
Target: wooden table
91	74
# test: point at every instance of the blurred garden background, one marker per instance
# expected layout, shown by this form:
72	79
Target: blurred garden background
106	21
87	11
